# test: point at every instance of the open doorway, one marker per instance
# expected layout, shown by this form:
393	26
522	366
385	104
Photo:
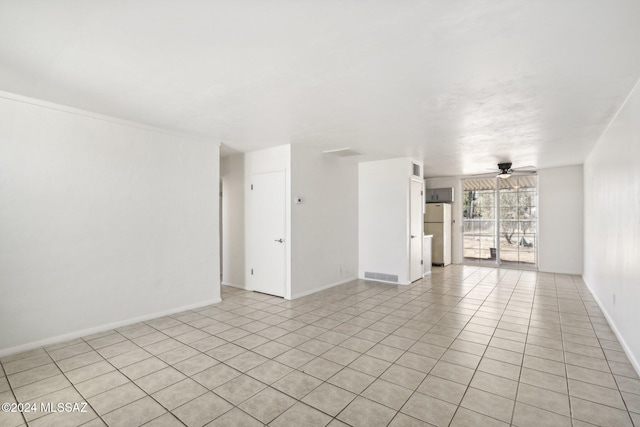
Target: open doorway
232	227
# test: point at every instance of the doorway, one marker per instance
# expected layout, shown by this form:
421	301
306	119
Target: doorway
500	221
266	248
416	230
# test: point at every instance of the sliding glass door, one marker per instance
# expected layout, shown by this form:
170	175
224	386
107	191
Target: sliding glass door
479	220
500	220
518	220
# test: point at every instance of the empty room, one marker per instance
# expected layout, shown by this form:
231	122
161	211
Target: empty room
319	213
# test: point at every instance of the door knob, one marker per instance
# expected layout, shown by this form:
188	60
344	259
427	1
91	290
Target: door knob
279	240
413	237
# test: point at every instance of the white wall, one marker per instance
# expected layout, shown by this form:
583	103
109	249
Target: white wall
324	230
561	209
267	160
233	188
102	222
384	196
456	212
612	224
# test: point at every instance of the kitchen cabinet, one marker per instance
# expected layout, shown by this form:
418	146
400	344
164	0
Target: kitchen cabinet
439	195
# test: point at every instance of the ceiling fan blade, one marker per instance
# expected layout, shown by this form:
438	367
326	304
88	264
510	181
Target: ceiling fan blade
519	168
483	175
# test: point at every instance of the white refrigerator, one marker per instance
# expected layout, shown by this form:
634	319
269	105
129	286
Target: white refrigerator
437	222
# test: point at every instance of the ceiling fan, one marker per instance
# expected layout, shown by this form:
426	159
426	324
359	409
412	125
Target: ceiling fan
505	171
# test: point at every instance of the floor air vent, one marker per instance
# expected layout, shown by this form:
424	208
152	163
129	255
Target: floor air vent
381	276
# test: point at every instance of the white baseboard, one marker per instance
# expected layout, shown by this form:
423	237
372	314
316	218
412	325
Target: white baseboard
322	288
233	285
89	331
625	347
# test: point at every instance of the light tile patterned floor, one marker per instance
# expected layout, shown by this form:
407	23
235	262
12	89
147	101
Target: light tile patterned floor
468	346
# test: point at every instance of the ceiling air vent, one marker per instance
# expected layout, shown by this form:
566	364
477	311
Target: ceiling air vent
342	152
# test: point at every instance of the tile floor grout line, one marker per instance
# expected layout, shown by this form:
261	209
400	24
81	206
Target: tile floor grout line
442	305
13	393
129	378
564	359
86	400
449	347
270	386
485	350
126	376
298	370
524	350
376	378
209	390
626	408
382	373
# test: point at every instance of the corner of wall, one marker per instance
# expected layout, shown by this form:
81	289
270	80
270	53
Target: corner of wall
611	177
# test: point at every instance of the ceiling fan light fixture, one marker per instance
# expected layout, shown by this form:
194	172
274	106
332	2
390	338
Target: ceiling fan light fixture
505	170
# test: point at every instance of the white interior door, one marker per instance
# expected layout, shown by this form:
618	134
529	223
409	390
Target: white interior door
267	263
416	226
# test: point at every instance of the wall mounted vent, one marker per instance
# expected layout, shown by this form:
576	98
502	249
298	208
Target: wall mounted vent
416	170
381	276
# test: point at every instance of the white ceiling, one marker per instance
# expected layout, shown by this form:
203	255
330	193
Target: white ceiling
459	84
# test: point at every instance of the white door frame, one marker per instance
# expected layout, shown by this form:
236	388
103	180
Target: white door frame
418	234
